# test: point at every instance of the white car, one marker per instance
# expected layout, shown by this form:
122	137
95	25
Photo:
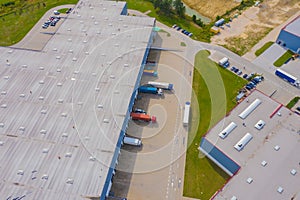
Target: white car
260	124
56	12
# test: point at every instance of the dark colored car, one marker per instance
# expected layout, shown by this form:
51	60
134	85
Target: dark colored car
298	108
235	70
245	75
232	68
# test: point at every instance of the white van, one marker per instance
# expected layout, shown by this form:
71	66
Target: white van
132	141
260	124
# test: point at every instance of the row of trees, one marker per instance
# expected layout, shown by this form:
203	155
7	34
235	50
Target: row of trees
167	6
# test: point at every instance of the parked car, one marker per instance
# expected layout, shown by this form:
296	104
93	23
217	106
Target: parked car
45	26
138	110
235	70
245	75
178	28
56	12
250	76
239	72
232	68
298	108
69	10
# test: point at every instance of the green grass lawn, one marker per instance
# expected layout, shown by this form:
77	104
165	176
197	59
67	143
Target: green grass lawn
215	89
17	20
63	10
280	61
293	102
263	48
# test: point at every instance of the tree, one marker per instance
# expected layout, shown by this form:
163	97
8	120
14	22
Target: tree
179	7
194	18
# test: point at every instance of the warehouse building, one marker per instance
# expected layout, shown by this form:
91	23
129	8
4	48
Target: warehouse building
257	144
289	36
64	110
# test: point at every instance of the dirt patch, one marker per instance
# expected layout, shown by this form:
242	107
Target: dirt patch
255	23
211	8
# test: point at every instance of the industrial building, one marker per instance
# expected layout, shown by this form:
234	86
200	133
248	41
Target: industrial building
64	110
257	144
289	36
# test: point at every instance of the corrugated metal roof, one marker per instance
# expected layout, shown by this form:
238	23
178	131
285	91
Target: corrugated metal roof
56	142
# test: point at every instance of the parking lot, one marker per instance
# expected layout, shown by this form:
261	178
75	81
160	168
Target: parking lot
156	170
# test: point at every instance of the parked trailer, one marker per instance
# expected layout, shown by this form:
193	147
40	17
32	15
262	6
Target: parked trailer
143	117
186	115
287	77
132	141
162	85
224	62
220	22
151	90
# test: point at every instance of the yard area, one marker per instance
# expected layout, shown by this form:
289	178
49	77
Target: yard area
215	89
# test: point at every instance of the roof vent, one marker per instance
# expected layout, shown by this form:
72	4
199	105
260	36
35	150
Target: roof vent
126	65
263	163
70	181
69	40
74	59
41	98
58	70
4	105
6	77
22	95
87	138
54	49
63	114
81	22
293	172
1	143
113	33
86	53
110	24
100	106
41	68
84	30
106	120
73	79
43	131
105	10
98	32
80	103
68	155
69	29
91	7
233	198
112	76
94	74
59	84
1	124
22	128
92	17
280	190
78	15
24	66
71	51
8	64
57	57
43	111
96	23
132	46
76	72
10	51
92	158
277	147
125	26
45	150
45	177
116	92
84	41
65	135
120	19
116	45
3	93
249	180
20	172
60	100
41	82
97	89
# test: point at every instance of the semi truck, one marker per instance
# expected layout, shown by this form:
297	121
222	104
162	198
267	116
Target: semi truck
132	141
186	115
162	85
224	62
143	117
287	77
151	90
